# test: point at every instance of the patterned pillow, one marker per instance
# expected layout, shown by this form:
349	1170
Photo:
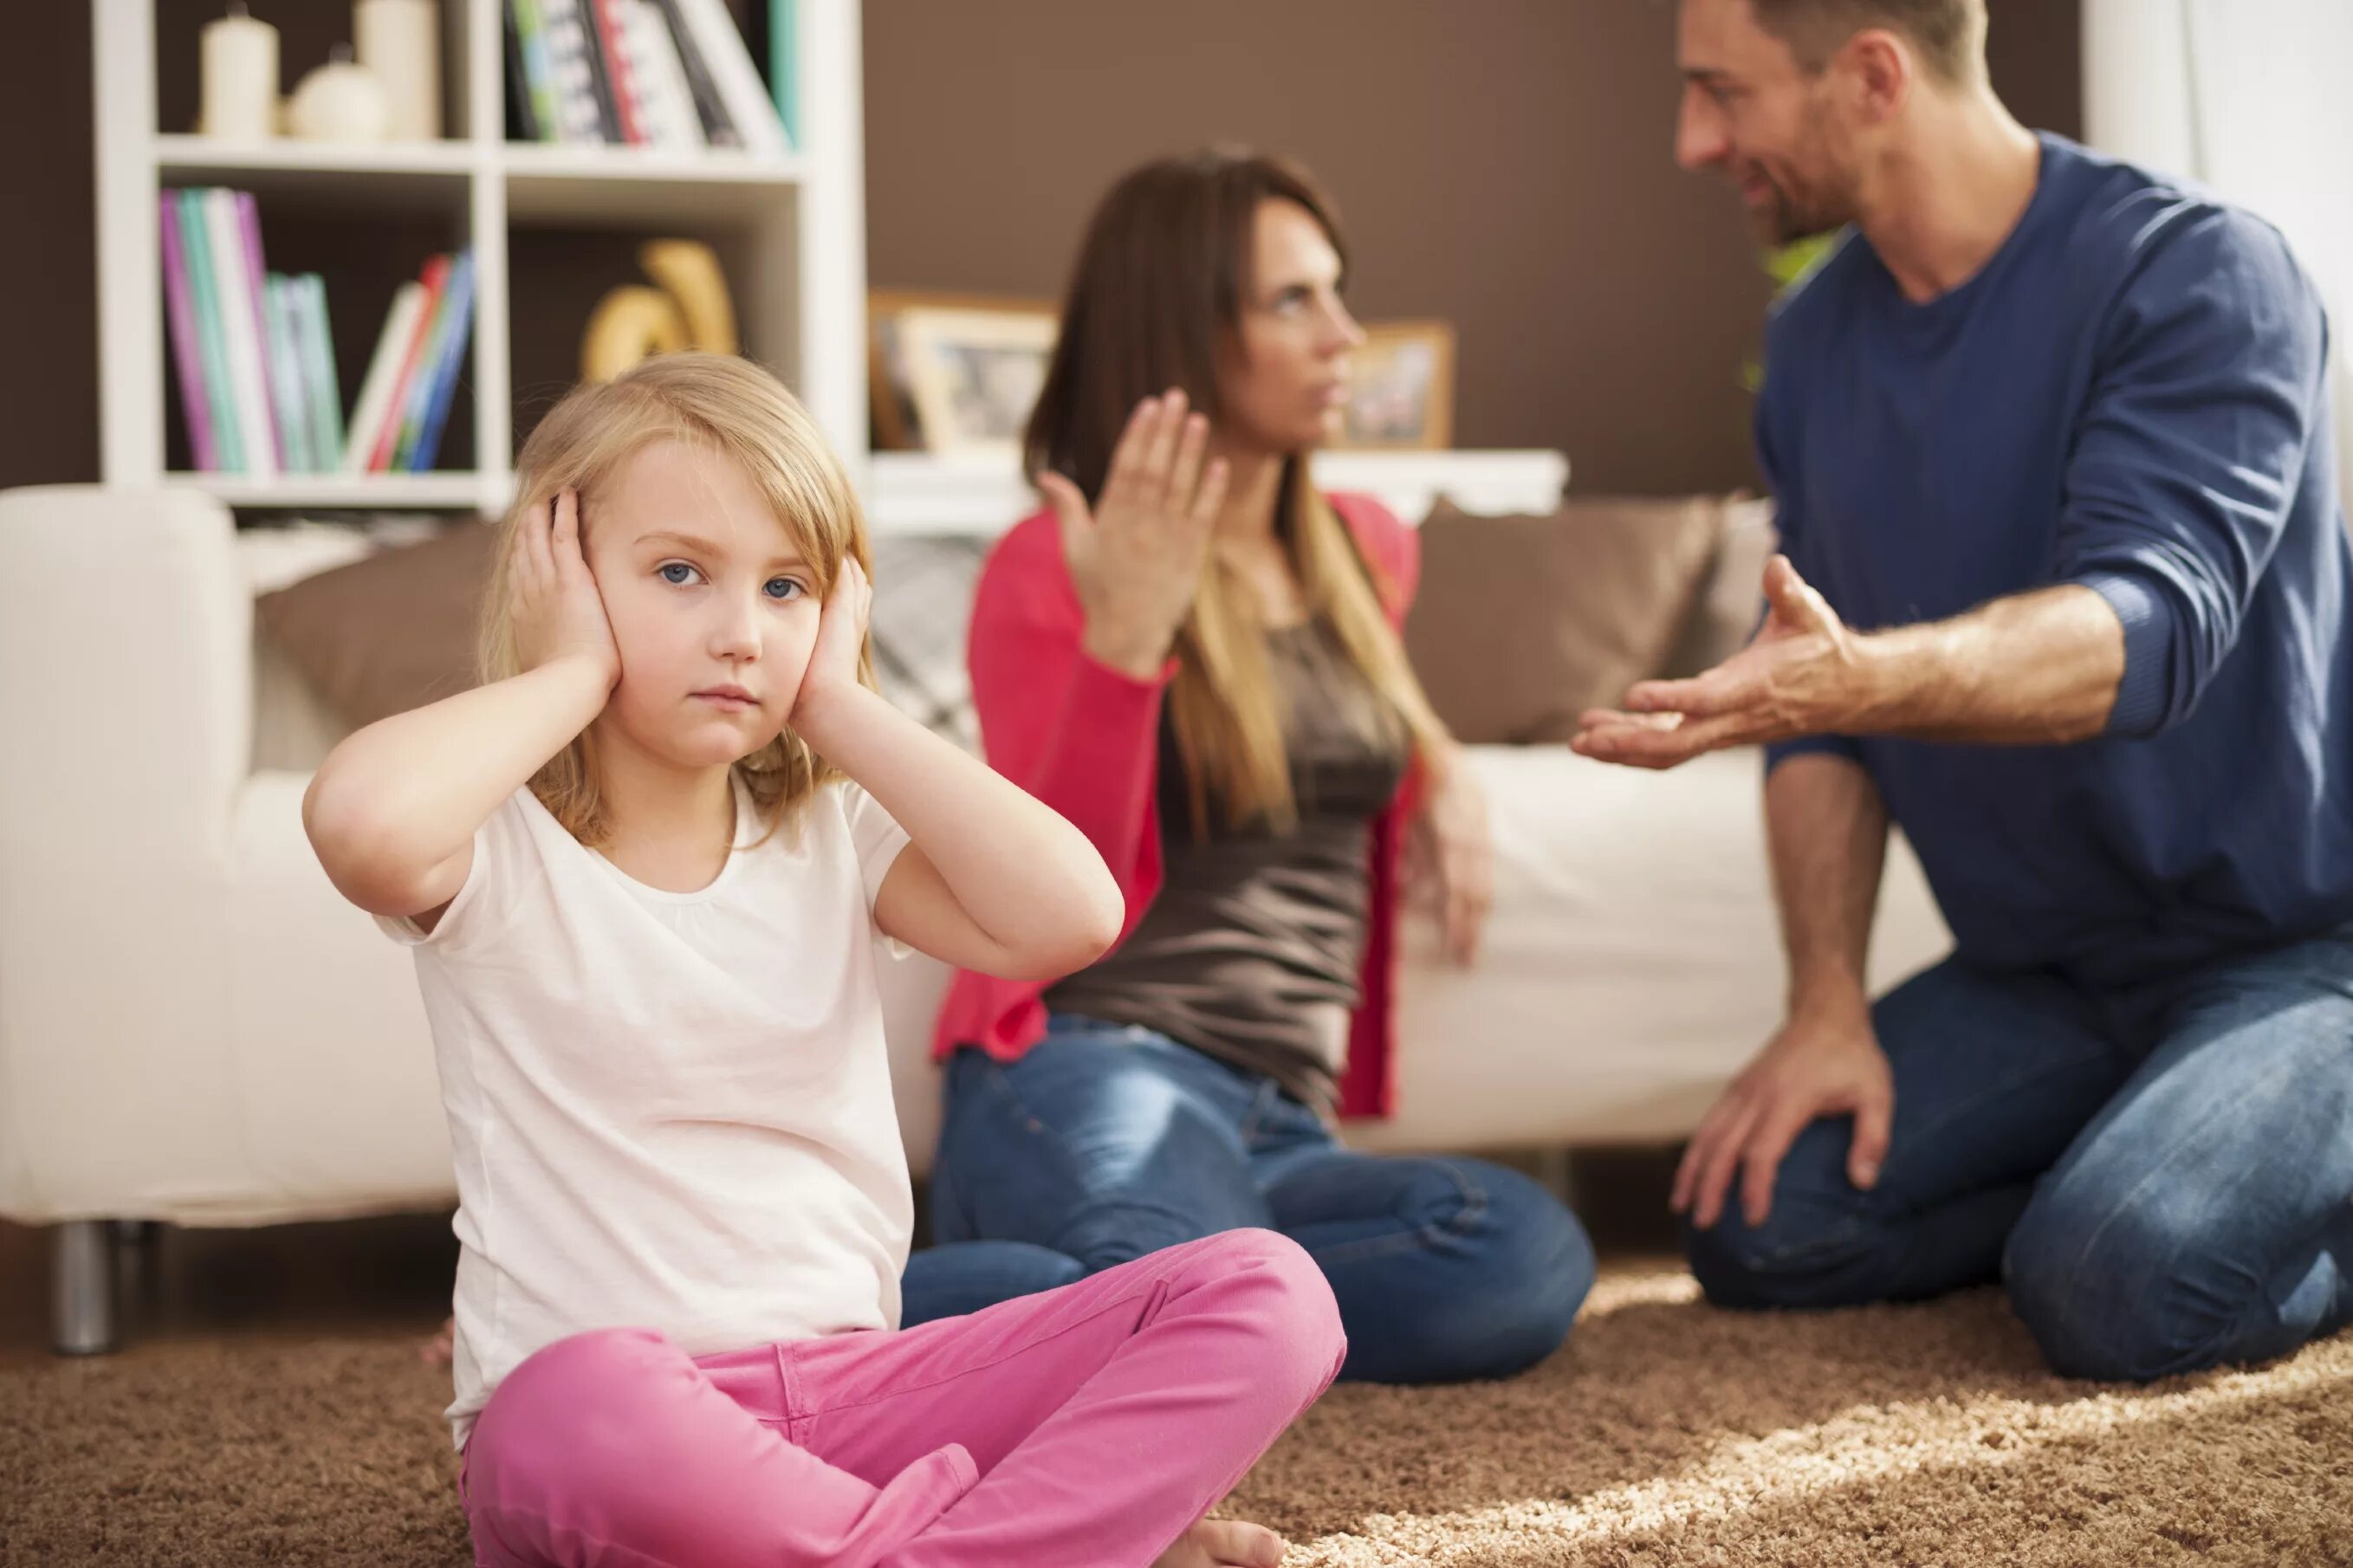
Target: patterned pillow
923	604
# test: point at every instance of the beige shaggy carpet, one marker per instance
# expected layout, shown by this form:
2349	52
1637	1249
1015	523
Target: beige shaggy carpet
1667	1433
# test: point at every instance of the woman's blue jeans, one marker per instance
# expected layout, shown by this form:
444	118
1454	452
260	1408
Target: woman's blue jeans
1105	1144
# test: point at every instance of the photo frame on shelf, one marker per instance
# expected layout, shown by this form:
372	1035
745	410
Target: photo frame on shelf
1401	390
955	373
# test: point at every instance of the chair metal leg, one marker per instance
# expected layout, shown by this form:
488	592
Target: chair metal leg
1557	1172
84	1299
138	1272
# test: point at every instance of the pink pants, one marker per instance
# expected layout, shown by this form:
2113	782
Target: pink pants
1088	1426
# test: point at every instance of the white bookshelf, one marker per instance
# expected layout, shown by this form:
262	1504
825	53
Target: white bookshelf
791	230
916	492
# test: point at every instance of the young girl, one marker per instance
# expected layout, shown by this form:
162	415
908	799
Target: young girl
644	868
1193	654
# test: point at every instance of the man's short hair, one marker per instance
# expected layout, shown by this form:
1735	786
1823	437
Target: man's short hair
1949	34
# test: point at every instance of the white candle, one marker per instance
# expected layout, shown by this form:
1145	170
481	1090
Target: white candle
240	77
400	43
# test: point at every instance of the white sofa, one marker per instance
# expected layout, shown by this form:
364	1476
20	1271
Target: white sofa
194	1028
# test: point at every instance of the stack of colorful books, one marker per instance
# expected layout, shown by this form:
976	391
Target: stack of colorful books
256	362
638	73
404	401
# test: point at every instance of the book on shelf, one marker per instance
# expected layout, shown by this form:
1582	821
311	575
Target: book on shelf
253	357
257	291
287	398
384	442
620	79
609	129
318	354
665	100
384	369
228	339
187	351
437	378
753	114
572	75
710	108
528	118
784	65
241	319
195	245
648	73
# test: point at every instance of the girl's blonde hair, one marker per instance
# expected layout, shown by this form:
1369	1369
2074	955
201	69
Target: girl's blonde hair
724	405
1156	301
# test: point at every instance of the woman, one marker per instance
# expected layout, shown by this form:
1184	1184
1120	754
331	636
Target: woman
1193	656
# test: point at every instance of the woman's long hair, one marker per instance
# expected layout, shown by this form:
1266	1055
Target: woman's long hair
1157	301
724	405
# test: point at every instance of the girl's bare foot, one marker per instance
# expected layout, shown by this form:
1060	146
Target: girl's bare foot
438	1350
1223	1543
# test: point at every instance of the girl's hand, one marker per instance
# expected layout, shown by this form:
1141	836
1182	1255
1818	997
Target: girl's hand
1453	847
557	612
841	640
1135	558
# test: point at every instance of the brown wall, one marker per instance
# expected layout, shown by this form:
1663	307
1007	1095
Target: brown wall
48	249
1500	162
1504	163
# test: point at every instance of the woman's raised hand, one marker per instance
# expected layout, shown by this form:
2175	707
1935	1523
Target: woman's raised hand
1135	557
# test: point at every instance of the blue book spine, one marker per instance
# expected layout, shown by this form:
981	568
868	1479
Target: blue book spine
289	393
319	371
452	358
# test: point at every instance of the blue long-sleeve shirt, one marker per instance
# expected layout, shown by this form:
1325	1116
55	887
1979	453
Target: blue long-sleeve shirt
2130	396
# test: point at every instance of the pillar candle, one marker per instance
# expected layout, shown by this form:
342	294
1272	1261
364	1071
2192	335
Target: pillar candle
400	43
240	77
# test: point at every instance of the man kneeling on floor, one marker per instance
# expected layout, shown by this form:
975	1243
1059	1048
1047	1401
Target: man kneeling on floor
2062	428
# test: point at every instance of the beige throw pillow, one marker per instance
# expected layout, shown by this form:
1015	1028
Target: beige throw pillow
1522	622
390	633
1732	596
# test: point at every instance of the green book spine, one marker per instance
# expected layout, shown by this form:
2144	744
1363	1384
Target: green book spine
784	69
196	232
319	371
531	28
288	395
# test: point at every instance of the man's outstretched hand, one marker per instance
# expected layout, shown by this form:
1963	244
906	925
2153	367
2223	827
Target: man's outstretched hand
1804	674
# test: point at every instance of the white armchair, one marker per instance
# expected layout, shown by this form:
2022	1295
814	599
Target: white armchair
193	1026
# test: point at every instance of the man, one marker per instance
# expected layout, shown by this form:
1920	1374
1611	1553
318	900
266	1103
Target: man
2057	430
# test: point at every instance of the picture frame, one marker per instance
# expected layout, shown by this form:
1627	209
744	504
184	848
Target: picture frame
955	373
1400	389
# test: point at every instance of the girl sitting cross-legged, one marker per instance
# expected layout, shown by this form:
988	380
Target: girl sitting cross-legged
646	869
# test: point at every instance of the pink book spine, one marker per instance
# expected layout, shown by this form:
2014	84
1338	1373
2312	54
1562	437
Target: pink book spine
180	305
248	220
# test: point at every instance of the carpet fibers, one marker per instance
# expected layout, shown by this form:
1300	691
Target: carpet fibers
1667	1433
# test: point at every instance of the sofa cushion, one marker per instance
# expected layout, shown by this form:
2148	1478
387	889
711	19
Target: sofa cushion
922	607
1732	596
1522	622
395	630
391	632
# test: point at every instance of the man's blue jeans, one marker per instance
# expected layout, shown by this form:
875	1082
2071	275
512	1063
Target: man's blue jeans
1105	1144
2163	1176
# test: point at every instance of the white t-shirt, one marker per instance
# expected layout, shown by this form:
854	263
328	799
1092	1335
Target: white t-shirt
668	1110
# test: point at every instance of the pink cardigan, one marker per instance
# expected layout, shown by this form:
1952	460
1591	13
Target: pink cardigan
1085	740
